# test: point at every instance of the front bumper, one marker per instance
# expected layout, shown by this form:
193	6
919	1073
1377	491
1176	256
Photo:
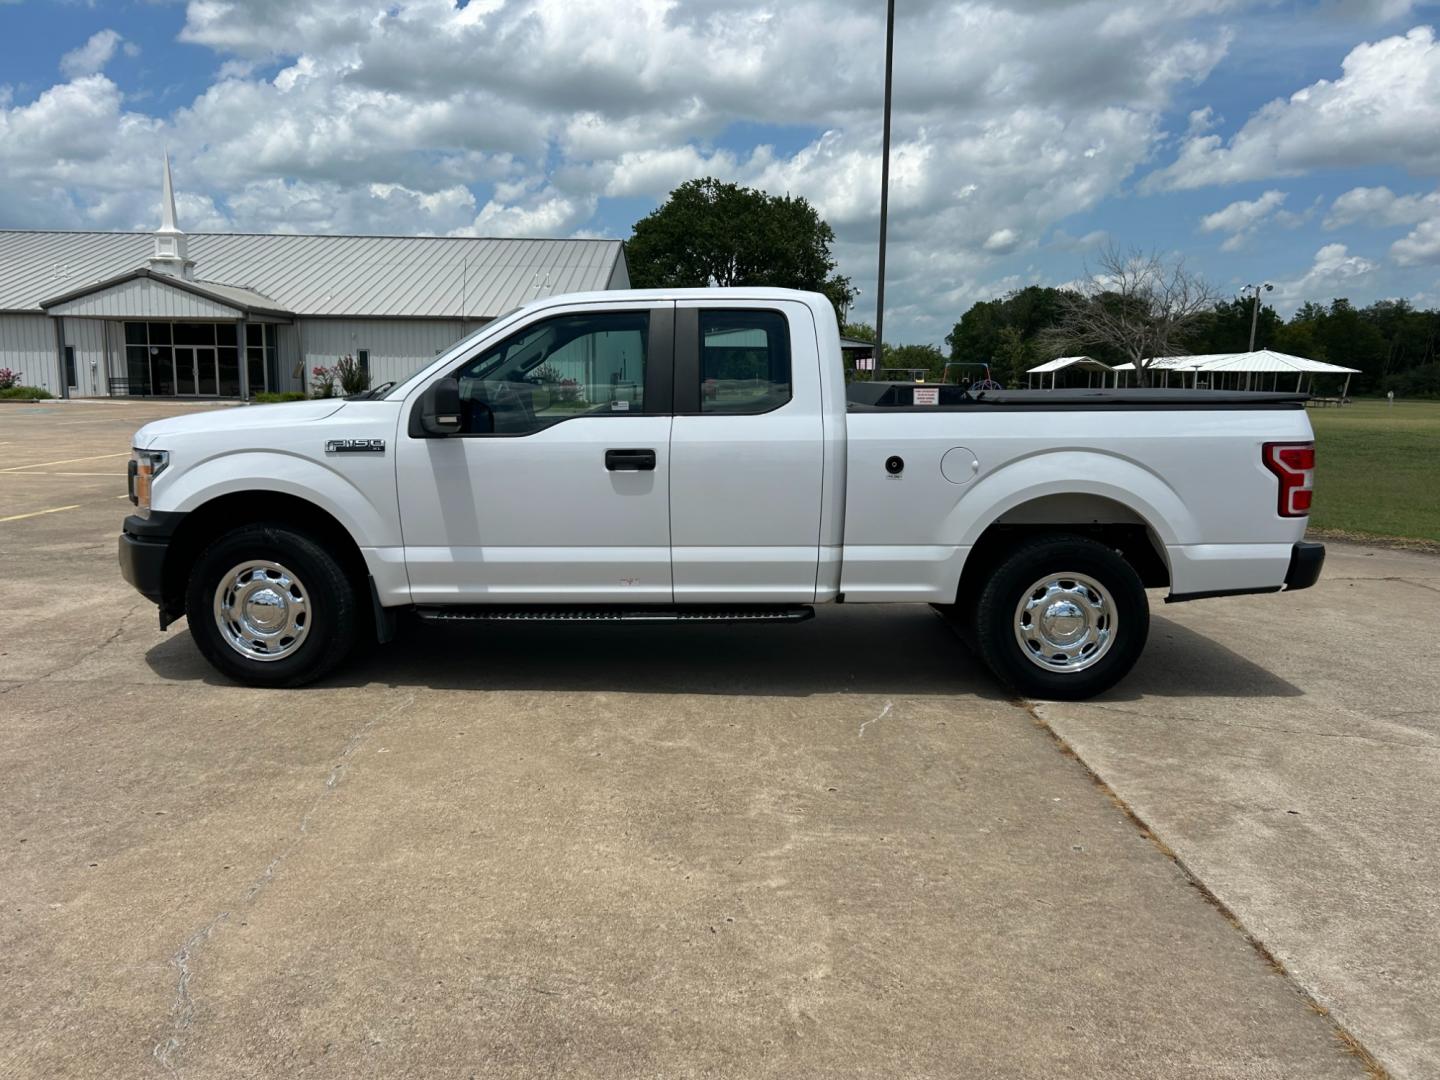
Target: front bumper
144	546
142	564
1306	560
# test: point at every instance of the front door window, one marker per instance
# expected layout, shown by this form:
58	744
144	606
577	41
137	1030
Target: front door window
590	364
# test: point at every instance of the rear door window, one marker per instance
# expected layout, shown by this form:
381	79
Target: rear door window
744	361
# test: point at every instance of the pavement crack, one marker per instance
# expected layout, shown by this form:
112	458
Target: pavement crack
74	662
182	1007
875	719
1421	584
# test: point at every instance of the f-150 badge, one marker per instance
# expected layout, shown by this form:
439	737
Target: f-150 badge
355	446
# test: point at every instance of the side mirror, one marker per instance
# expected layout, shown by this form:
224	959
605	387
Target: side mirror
439	408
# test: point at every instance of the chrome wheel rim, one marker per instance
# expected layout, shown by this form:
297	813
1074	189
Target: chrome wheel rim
1065	622
262	610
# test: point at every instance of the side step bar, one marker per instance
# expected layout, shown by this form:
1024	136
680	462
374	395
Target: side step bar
698	613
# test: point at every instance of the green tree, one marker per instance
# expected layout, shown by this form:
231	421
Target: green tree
713	233
1014	357
1004	333
1226	329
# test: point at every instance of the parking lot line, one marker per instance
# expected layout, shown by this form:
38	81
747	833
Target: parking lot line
64	461
37	513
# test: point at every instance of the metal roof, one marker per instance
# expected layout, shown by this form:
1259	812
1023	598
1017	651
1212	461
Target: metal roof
370	276
1261	360
245	301
1060	363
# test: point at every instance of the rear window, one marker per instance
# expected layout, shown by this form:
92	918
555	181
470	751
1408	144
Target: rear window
744	361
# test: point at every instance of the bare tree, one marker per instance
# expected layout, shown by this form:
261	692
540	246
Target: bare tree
1136	304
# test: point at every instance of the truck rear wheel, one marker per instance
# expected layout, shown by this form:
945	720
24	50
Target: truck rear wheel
268	606
1062	617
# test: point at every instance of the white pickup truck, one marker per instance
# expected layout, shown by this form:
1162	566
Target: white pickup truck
697	455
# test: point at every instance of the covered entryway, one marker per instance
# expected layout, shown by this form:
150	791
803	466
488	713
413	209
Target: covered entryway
169	336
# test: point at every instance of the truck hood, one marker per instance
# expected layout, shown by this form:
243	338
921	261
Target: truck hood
284	414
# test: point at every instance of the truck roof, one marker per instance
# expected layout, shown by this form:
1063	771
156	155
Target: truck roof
746	293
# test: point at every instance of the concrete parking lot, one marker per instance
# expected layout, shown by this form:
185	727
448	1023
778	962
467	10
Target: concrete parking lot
831	849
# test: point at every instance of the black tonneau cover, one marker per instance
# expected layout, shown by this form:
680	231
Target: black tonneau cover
889	396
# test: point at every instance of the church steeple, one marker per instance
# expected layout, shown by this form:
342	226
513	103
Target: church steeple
170	256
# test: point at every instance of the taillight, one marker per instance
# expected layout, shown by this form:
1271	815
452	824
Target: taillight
1294	465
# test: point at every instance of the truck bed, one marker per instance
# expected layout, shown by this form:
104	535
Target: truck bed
893	396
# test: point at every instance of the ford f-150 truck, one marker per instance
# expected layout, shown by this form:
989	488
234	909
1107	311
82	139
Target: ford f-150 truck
697	455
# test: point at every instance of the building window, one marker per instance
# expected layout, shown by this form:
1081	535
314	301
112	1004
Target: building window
362	357
190	359
70	379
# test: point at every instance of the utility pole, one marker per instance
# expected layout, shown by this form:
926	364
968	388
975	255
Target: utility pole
1255	310
884	185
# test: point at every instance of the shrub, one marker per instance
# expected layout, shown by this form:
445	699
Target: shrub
25	393
324	381
271	397
1419	382
9	379
352	377
561	388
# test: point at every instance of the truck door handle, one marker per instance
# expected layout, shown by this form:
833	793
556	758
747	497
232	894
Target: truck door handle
630	460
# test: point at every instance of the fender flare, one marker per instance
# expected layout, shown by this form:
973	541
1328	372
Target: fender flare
1071	472
290	474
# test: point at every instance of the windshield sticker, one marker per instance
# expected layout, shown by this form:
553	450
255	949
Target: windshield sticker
927	395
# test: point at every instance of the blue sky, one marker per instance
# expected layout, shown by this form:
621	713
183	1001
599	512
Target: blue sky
1291	140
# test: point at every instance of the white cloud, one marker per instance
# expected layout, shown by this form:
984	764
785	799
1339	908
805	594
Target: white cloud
326	115
1380	206
1421	246
1334	272
1384	109
90	58
1241	219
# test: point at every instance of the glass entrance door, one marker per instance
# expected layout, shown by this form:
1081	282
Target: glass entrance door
185	371
195	371
207	379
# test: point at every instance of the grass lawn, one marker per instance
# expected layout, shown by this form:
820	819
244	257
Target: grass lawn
1378	469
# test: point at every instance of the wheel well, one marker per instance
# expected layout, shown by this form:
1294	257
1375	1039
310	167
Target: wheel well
1100	519
221	515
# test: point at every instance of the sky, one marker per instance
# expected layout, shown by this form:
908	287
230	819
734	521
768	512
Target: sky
1289	141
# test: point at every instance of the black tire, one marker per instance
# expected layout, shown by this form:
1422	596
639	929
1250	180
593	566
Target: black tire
1010	584
331	618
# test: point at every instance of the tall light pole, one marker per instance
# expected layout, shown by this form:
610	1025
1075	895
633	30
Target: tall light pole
1255	311
884	186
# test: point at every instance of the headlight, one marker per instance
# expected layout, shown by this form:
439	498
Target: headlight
145	466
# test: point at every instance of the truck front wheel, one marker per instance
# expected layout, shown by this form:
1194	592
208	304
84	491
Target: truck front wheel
1062	617
268	606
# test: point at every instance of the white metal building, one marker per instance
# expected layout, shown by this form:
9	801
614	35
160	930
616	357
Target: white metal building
1063	364
1263	369
231	314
